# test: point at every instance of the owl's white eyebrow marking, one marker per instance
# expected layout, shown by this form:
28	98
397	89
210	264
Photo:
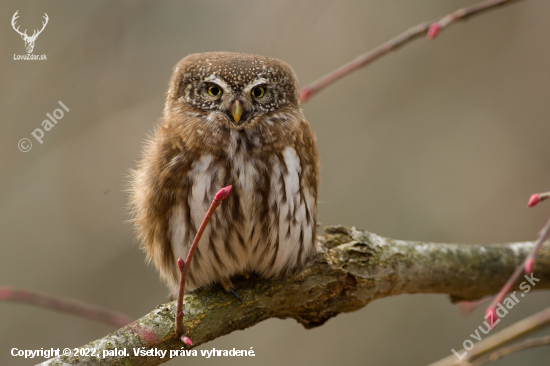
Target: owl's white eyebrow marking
216	80
255	82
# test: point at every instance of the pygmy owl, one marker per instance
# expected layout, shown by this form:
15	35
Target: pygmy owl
229	119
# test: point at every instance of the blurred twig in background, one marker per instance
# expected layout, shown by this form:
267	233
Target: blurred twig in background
64	304
497	340
430	28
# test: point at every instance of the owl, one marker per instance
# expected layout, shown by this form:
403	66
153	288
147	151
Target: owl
229	119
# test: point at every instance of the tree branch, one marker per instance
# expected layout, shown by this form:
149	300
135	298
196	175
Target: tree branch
430	28
353	268
506	351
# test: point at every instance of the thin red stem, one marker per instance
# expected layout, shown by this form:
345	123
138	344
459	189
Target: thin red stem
213	206
467	307
430	28
537	198
180	328
527	267
67	305
184	266
543	235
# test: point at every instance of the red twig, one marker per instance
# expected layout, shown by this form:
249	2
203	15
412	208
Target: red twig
431	29
462	14
543	235
184	265
496	340
63	304
180	328
536	198
491	310
527	266
467	307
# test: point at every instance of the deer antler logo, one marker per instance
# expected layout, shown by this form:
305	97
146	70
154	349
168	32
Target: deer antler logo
29	41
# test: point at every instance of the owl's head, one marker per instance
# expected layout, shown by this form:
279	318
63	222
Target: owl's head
234	89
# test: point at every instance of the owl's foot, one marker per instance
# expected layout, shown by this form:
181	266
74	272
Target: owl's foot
228	286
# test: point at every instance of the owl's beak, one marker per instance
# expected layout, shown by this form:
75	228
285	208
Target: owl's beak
236	111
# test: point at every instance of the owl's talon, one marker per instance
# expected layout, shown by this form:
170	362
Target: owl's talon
234	293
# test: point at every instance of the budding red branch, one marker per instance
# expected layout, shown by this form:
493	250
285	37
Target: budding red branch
184	265
433	31
223	193
528	264
430	29
536	198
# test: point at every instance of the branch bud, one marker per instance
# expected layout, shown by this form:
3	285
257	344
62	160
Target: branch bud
533	200
223	193
491	315
305	93
181	264
433	31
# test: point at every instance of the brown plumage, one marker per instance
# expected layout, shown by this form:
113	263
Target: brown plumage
229	119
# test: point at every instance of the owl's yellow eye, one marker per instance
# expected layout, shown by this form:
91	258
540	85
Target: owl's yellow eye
258	92
214	90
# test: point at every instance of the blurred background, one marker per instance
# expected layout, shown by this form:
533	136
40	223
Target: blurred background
440	141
